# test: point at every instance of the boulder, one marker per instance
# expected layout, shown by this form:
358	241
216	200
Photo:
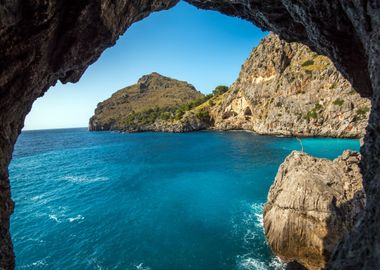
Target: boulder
312	205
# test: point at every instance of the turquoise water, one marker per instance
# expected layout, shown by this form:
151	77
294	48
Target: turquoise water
147	201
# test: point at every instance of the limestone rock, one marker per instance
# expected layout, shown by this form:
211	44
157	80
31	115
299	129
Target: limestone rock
286	89
312	205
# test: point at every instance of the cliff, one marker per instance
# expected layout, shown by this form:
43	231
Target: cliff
286	89
312	205
283	89
147	105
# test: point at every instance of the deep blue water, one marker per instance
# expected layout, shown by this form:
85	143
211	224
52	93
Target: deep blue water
147	201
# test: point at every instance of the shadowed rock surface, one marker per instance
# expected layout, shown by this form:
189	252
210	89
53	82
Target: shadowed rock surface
45	41
312	205
152	92
42	42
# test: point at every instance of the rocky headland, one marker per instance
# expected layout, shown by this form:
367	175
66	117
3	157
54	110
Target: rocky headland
283	89
286	89
148	105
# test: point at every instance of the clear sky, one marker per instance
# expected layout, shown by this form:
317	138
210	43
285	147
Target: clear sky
204	48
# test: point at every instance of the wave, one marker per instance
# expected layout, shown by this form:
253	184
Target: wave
38	197
55	218
252	264
84	179
142	267
78	217
249	263
253	233
37	264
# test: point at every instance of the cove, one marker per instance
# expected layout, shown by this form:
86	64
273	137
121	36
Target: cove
147	200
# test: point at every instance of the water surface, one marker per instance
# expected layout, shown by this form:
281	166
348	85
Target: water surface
147	201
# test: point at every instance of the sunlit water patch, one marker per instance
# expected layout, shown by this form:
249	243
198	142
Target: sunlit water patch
147	201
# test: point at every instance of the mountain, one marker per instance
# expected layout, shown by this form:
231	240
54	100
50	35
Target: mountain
137	107
282	89
286	89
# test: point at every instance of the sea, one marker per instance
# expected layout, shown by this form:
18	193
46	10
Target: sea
148	201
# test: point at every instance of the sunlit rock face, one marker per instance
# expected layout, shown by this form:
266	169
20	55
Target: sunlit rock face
45	41
286	89
312	204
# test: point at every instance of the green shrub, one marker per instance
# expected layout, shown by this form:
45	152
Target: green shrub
362	111
203	115
221	89
313	113
317	106
211	102
307	63
338	102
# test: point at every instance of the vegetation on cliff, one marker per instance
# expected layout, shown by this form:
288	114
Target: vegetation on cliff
286	89
283	88
154	97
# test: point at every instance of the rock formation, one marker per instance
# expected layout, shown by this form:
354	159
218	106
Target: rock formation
45	41
286	89
283	89
140	107
312	205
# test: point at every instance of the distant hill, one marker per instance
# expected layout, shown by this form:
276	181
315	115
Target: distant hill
138	107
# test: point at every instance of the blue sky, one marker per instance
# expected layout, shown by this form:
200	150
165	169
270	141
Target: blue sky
204	48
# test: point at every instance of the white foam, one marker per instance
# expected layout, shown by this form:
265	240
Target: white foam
84	179
95	264
252	264
142	267
249	263
277	264
39	263
55	218
36	198
78	217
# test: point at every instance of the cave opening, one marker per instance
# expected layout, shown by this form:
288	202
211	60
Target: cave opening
326	27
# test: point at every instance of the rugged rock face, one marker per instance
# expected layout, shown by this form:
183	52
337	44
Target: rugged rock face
285	88
312	205
42	42
45	41
151	91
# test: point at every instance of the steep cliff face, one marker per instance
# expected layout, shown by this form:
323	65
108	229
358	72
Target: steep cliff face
285	88
46	41
312	205
141	106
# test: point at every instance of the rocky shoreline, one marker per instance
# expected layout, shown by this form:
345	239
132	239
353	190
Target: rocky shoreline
283	89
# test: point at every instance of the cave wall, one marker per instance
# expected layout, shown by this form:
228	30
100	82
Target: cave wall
42	41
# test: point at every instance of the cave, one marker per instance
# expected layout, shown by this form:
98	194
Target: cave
247	111
45	41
